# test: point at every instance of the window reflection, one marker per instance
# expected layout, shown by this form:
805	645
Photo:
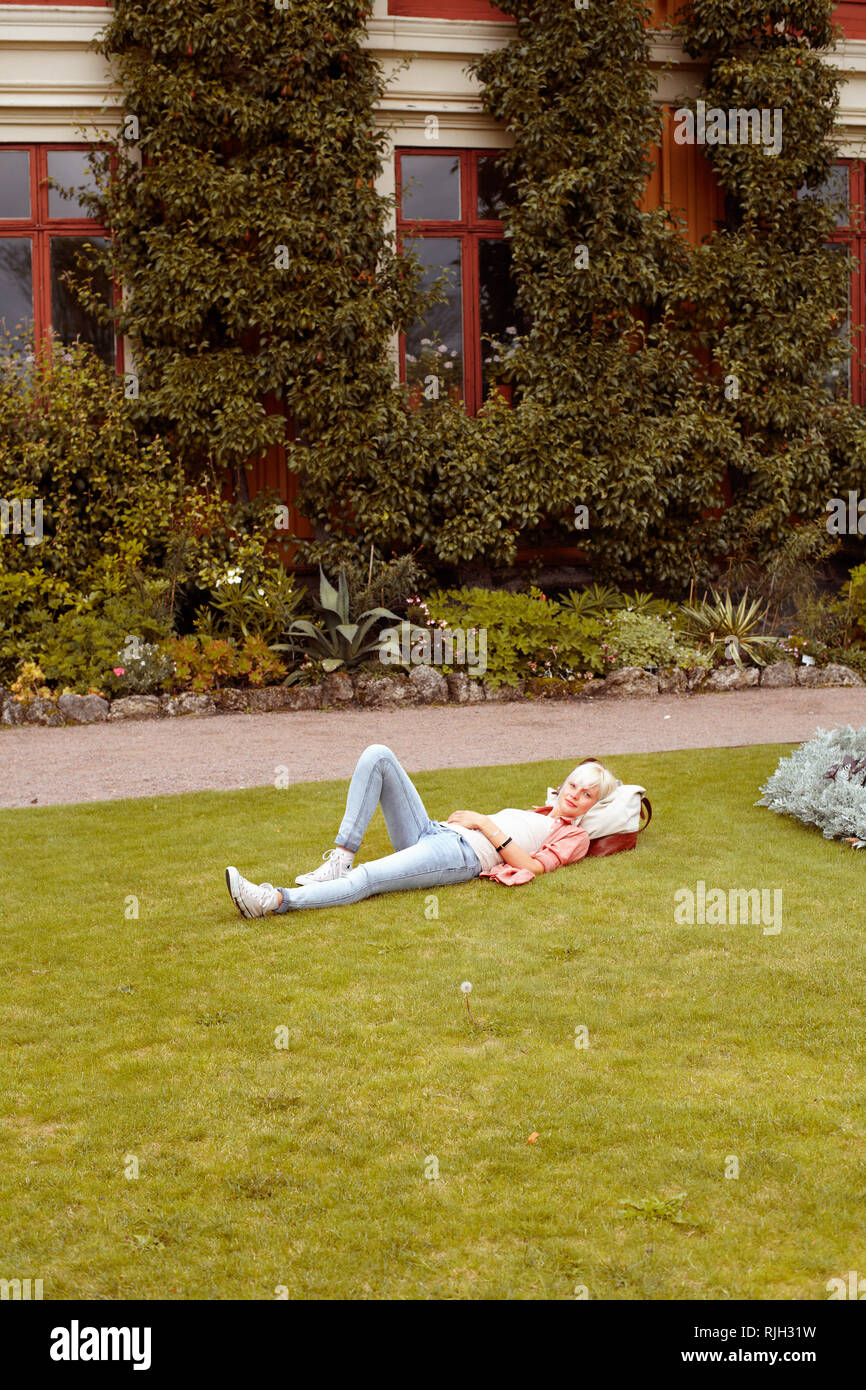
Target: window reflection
14	183
836	380
72	169
836	191
16	285
69	318
434	346
495	194
502	323
430	188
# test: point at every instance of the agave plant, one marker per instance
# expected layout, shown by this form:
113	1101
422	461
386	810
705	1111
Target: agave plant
339	641
727	630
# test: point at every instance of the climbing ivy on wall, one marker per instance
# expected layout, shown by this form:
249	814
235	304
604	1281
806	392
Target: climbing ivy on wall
765	296
251	240
254	250
610	407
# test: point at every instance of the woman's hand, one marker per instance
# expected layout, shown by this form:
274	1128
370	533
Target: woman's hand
470	820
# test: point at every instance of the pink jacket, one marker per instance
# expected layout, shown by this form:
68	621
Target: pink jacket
565	845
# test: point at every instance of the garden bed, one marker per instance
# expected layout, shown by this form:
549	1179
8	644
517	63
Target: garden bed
425	685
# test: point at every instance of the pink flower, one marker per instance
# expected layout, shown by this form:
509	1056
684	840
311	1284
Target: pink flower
120	670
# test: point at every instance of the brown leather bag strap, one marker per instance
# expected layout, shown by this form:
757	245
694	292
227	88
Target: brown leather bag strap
645	805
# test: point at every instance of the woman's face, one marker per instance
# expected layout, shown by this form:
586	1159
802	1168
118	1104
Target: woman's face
574	800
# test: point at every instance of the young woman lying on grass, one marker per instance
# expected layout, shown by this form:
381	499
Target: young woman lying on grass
510	847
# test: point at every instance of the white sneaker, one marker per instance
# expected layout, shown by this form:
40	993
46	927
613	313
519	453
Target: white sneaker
338	863
251	899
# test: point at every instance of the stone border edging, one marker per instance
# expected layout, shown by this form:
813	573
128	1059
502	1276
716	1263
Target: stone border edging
424	685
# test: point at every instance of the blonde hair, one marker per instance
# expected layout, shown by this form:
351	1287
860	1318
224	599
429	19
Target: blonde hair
594	774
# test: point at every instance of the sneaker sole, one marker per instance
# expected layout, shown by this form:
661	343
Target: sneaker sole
237	902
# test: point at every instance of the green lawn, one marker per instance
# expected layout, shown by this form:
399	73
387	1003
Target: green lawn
303	1167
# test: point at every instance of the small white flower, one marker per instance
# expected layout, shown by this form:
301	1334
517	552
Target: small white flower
442	347
511	330
426	342
466	987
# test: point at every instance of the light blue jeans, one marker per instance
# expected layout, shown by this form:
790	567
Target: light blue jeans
428	853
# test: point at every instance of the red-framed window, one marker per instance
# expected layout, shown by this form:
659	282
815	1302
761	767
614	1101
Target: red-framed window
450	207
41	232
845	190
447	9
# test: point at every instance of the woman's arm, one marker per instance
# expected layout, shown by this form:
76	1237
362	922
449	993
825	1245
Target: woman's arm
512	854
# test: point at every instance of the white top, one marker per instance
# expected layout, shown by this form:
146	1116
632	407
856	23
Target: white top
528	829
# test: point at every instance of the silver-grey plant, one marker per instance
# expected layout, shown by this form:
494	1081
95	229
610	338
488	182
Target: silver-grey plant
823	783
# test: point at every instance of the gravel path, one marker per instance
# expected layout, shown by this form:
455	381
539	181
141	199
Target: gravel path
101	762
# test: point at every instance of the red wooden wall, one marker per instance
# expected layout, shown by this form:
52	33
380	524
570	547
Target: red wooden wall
446	9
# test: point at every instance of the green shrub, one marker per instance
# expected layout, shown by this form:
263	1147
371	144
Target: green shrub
143	669
384	583
82	648
526	633
642	639
855	657
245	605
857	599
823	619
117	511
28	601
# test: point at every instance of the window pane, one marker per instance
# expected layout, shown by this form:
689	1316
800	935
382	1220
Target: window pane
68	167
493	188
434	346
836	188
68	319
836	381
14	183
431	187
16	283
501	320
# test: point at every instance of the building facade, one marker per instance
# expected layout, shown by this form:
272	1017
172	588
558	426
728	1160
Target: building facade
56	96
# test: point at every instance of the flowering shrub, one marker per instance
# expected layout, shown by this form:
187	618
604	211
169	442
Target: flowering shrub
143	669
